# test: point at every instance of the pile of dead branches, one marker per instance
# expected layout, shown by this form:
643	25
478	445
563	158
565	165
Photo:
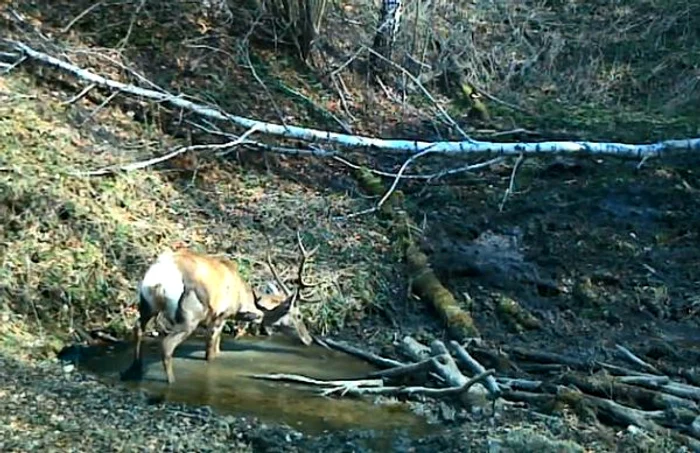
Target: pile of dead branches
661	402
414	378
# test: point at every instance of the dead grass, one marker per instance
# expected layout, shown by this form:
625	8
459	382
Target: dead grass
74	247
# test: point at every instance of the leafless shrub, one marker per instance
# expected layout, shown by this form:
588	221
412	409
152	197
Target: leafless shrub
594	52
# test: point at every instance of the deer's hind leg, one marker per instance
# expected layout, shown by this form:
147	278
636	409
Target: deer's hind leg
190	313
135	370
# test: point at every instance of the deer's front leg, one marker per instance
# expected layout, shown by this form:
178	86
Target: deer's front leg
214	337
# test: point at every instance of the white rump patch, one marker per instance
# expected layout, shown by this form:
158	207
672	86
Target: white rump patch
166	273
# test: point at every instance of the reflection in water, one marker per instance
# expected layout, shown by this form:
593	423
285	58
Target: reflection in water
225	386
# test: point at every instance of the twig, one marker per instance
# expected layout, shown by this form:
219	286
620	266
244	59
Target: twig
518	130
134	16
393	185
618	370
399	174
340	122
12	66
85	12
99	107
156	160
430	176
509	190
340	86
627	354
78	96
119	65
367	356
470	167
262	84
241	139
348	61
493	98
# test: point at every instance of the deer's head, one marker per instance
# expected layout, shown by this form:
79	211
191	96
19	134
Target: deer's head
281	308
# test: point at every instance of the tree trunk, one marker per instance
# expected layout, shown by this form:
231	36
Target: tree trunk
389	22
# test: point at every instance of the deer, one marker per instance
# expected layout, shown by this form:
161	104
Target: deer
191	289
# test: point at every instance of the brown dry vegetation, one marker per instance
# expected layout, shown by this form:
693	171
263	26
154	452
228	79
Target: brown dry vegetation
620	243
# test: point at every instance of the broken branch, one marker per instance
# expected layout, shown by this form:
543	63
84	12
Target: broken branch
475	367
374	359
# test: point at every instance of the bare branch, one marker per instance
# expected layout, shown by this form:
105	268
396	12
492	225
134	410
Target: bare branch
311	381
427	391
157	160
80	95
427	94
393	185
12	66
99	107
364	355
429	176
413	368
81	15
511	184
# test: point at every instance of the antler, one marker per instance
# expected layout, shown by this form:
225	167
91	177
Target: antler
278	279
301	282
305	255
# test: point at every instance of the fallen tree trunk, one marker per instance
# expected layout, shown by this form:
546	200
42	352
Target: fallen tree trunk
468	146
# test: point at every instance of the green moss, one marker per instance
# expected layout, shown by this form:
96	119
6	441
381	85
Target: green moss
515	315
424	282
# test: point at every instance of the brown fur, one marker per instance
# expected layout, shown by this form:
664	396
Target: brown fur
214	290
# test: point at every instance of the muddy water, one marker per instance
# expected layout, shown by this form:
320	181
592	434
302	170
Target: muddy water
225	384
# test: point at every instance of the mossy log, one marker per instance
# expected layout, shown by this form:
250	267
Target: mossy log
427	286
424	282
